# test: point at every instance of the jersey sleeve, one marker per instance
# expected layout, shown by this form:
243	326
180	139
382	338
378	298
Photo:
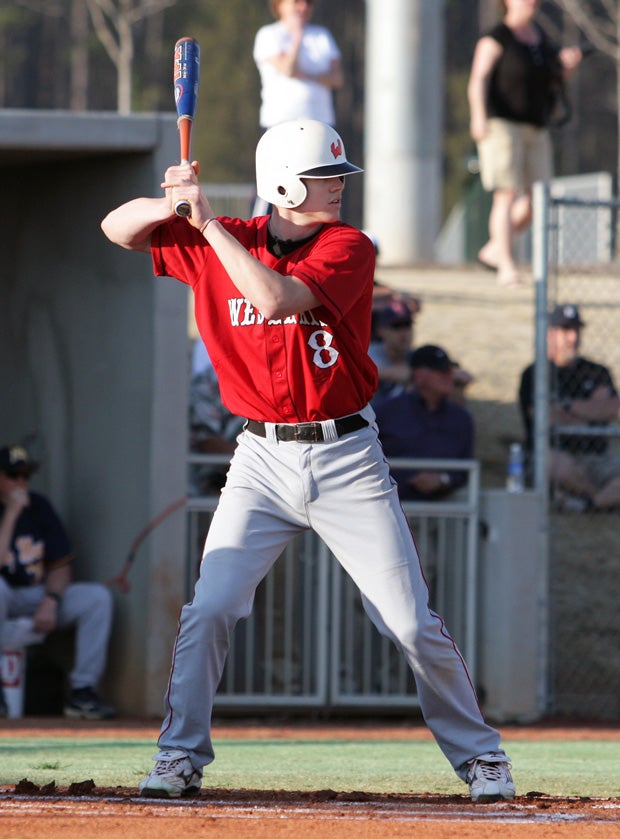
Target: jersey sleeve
267	44
58	550
334	51
340	271
178	250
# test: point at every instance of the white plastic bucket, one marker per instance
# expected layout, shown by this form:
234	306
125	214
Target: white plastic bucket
18	634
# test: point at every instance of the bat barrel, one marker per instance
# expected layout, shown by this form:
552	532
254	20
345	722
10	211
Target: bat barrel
186	82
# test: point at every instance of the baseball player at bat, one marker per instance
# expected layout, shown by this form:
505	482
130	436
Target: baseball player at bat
283	304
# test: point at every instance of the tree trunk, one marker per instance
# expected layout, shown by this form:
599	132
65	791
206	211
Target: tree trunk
125	62
79	56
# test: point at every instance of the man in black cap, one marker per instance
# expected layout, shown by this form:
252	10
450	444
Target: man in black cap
424	422
35	581
582	394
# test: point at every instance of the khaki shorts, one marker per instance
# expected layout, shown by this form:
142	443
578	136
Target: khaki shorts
514	155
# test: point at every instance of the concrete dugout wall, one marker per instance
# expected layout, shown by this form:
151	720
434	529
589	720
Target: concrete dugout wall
93	366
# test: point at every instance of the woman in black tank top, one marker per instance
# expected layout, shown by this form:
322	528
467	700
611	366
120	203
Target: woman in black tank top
516	76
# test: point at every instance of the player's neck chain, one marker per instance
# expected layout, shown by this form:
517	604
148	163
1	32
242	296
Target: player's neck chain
282	247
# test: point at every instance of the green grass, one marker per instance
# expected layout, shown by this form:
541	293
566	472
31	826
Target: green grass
586	768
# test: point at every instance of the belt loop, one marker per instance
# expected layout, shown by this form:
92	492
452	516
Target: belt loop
330	434
271	433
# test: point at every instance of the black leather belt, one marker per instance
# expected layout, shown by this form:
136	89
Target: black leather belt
308	432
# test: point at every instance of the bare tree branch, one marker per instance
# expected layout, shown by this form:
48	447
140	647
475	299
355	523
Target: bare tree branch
602	32
113	23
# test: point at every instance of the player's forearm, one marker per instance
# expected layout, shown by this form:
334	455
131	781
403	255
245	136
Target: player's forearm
272	294
58	579
7	525
131	224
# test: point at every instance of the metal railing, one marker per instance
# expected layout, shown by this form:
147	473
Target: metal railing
308	642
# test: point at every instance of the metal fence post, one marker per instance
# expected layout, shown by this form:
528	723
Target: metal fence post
540	268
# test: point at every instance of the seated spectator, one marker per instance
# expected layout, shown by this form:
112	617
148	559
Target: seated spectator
582	394
213	429
383	295
390	352
35	581
423	422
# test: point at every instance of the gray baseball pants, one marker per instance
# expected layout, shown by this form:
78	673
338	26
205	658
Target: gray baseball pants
343	491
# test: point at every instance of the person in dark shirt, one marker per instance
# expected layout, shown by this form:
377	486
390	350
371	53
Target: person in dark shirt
516	75
583	393
35	581
422	422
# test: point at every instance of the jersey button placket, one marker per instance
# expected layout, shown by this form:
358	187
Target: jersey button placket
277	363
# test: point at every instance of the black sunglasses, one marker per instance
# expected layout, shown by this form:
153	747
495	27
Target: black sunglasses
16	474
403	324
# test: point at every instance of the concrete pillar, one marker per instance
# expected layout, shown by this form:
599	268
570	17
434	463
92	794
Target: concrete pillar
403	127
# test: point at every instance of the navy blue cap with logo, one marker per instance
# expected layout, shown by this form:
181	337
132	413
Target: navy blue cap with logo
566	316
431	357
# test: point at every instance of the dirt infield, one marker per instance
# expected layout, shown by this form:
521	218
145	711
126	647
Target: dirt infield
84	810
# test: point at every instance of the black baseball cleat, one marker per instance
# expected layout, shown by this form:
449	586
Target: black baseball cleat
84	704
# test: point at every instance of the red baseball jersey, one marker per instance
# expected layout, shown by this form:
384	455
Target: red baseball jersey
310	366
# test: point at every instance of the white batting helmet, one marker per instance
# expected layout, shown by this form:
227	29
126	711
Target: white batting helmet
290	151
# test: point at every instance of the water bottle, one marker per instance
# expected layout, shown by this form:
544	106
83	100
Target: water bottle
515	479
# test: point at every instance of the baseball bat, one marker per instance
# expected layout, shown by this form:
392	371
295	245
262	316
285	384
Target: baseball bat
186	83
121	580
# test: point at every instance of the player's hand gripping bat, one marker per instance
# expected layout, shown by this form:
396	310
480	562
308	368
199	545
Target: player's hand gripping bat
186	83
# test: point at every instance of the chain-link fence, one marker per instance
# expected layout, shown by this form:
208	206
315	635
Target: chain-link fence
576	441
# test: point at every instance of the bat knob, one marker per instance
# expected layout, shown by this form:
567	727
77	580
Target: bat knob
183	209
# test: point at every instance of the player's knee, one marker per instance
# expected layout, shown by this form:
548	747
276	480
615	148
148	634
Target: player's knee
99	599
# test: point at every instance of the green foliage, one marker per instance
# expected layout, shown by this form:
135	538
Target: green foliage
459	147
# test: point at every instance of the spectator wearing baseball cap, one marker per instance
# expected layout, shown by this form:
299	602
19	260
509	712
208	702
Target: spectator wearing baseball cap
16	462
424	422
394	331
583	472
35	581
566	316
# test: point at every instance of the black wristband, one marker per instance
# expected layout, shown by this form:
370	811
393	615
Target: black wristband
54	595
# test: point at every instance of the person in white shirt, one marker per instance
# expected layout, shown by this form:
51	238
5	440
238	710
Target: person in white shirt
299	65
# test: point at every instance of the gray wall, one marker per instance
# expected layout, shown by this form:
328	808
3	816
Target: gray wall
93	366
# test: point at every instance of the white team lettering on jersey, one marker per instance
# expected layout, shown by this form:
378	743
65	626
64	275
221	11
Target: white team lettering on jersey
243	313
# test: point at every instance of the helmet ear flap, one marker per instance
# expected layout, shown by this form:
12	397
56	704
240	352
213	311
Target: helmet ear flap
291	194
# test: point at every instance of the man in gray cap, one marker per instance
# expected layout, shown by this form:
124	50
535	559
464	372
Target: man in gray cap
583	393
